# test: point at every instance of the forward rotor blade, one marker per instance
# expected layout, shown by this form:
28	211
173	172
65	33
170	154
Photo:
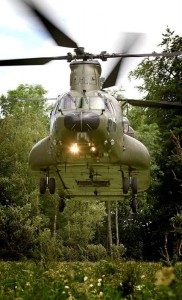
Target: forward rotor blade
29	61
154	103
153	54
131	39
58	35
111	79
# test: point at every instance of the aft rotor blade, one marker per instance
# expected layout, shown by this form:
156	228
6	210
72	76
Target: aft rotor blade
154	103
58	35
29	99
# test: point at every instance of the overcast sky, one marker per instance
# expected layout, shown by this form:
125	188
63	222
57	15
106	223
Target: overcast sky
97	25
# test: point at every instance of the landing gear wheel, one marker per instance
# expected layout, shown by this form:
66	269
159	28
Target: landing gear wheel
134	204
51	185
134	185
126	185
62	204
42	185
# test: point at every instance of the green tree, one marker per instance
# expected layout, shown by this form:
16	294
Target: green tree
20	130
162	79
22	123
19	231
162	75
81	220
24	98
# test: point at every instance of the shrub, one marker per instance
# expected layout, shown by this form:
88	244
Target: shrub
117	251
49	248
68	254
95	252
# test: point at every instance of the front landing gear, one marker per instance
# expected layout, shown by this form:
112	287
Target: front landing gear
42	185
45	183
51	185
128	183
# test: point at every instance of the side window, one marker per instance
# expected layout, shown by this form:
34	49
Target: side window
56	108
110	107
127	129
112	122
106	104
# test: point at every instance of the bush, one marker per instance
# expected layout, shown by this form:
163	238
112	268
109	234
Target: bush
68	254
117	251
95	252
49	248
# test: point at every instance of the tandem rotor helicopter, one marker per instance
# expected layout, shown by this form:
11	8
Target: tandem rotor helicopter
91	150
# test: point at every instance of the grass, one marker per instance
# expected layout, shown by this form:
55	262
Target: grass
86	280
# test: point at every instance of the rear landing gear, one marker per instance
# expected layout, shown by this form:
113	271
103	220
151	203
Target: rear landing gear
134	204
62	204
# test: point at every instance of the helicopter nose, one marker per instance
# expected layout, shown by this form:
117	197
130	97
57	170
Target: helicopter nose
81	121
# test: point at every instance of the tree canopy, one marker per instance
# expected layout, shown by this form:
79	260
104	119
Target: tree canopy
162	80
162	76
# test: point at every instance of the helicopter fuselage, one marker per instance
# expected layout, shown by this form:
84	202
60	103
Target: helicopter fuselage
90	147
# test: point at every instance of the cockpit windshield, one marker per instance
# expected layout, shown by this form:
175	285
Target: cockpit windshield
68	102
97	103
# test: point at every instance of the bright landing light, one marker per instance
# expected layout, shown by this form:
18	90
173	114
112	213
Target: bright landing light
74	148
92	149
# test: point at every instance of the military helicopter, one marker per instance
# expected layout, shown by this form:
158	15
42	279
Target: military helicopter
91	151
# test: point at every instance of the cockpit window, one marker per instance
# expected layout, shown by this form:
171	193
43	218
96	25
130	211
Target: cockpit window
68	102
96	103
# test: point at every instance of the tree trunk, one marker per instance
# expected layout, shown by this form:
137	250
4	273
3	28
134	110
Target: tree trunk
55	216
109	226
117	225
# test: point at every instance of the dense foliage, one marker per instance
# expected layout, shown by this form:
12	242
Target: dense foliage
162	78
85	281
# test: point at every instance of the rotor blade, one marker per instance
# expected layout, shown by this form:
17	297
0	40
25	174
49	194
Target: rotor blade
58	35
29	99
30	61
154	103
111	79
131	39
105	56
